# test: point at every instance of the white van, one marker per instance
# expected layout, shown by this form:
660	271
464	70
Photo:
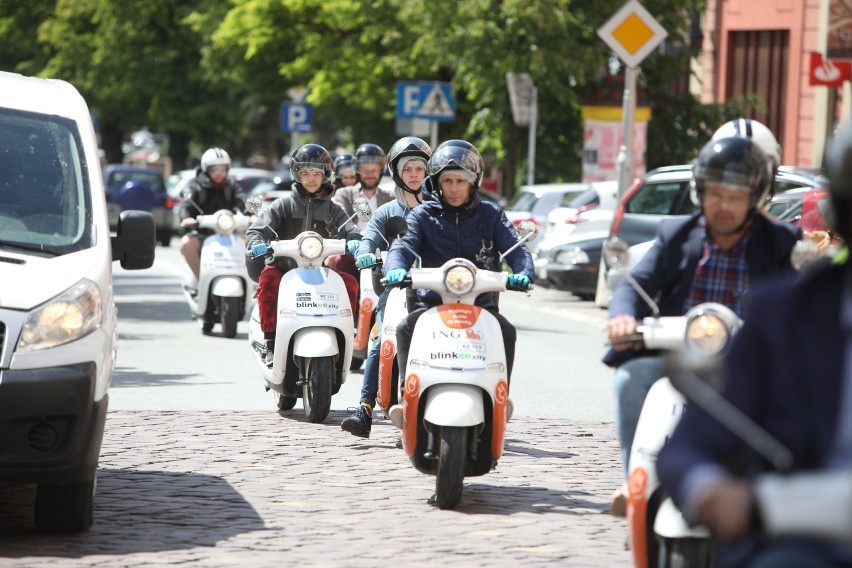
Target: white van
57	313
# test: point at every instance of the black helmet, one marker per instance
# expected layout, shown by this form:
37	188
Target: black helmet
734	161
311	156
455	155
837	165
407	147
370	154
343	162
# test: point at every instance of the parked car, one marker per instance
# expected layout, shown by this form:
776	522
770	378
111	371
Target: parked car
534	202
572	263
269	191
148	194
247	178
665	192
591	210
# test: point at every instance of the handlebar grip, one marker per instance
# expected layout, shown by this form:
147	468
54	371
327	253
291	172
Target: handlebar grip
627	339
512	288
405	283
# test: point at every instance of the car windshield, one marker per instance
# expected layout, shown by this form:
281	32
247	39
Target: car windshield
666	198
154	180
44	199
523	201
585	199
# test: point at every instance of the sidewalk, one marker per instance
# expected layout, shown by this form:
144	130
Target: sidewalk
262	489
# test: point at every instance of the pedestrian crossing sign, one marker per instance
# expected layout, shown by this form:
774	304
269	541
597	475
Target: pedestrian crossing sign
426	100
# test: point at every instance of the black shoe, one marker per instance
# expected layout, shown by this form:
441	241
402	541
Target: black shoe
360	423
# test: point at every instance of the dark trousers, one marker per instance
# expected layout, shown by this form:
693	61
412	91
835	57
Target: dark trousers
405	330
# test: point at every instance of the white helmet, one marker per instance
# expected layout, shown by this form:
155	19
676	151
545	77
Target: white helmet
763	138
214	157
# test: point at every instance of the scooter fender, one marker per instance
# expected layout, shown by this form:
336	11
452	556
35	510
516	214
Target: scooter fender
671	524
228	287
454	405
315	342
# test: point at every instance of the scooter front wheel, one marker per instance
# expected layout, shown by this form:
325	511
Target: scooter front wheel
229	315
316	394
449	480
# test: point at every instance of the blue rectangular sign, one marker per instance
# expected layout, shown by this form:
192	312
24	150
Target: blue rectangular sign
296	117
425	99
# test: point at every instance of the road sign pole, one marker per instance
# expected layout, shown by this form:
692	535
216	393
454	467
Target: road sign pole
625	153
533	126
433	133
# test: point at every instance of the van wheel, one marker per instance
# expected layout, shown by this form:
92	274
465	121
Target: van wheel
64	508
684	553
316	395
229	316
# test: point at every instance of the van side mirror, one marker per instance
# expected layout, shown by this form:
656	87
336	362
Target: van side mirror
135	239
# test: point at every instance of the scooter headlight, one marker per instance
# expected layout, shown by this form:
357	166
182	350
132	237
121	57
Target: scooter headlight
459	278
310	246
709	330
225	222
73	314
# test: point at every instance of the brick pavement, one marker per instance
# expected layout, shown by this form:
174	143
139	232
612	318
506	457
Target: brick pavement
261	489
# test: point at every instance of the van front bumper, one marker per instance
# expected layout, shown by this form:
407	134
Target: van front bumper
51	429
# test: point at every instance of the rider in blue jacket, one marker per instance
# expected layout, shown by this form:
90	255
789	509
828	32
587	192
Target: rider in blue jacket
407	166
456	224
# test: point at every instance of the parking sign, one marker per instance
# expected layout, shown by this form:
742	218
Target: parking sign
296	117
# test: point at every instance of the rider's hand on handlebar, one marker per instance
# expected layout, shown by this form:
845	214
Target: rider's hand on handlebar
259	249
396	275
519	281
352	246
619	328
725	507
189	222
365	260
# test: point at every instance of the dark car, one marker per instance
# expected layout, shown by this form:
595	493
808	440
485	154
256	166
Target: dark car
140	188
572	265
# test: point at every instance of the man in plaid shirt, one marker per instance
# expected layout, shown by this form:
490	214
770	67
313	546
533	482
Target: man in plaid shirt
715	255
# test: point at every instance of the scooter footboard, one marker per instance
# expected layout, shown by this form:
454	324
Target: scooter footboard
671	524
454	405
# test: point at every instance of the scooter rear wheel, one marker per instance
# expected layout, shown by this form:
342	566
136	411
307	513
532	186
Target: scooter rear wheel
316	394
449	479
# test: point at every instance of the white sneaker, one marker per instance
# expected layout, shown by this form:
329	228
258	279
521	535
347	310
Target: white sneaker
395	415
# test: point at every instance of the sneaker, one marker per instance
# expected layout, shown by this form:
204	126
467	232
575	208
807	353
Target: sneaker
618	508
395	415
360	423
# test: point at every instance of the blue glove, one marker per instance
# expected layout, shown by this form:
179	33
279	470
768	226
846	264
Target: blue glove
352	246
519	281
259	249
364	260
396	275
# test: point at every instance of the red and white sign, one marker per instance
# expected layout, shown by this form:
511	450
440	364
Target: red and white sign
828	72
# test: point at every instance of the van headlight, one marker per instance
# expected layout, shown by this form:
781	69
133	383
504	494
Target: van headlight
458	279
73	314
310	246
225	222
708	330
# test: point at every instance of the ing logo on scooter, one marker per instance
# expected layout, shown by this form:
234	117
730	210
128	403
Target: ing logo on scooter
457	334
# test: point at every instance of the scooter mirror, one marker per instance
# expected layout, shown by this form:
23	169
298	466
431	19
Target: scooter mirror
396	226
362	209
527	228
616	253
254	204
804	252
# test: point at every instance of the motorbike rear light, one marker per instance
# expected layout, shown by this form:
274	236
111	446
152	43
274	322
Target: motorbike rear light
169	203
495	367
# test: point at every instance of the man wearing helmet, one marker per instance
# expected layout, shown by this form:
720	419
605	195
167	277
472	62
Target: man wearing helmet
715	255
789	370
210	191
763	139
370	162
307	208
456	224
407	166
344	171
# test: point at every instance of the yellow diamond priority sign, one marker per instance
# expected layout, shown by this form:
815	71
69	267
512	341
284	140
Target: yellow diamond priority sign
632	33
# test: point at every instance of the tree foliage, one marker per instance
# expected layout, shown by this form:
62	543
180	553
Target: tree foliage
216	71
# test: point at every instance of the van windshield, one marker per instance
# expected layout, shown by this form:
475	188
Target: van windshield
45	205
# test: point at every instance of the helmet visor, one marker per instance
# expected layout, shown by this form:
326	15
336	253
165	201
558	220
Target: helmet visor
455	157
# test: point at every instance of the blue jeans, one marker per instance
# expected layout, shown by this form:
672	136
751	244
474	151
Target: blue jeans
633	380
370	385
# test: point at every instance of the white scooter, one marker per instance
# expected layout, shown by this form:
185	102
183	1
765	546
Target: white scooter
456	395
313	341
658	531
223	290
